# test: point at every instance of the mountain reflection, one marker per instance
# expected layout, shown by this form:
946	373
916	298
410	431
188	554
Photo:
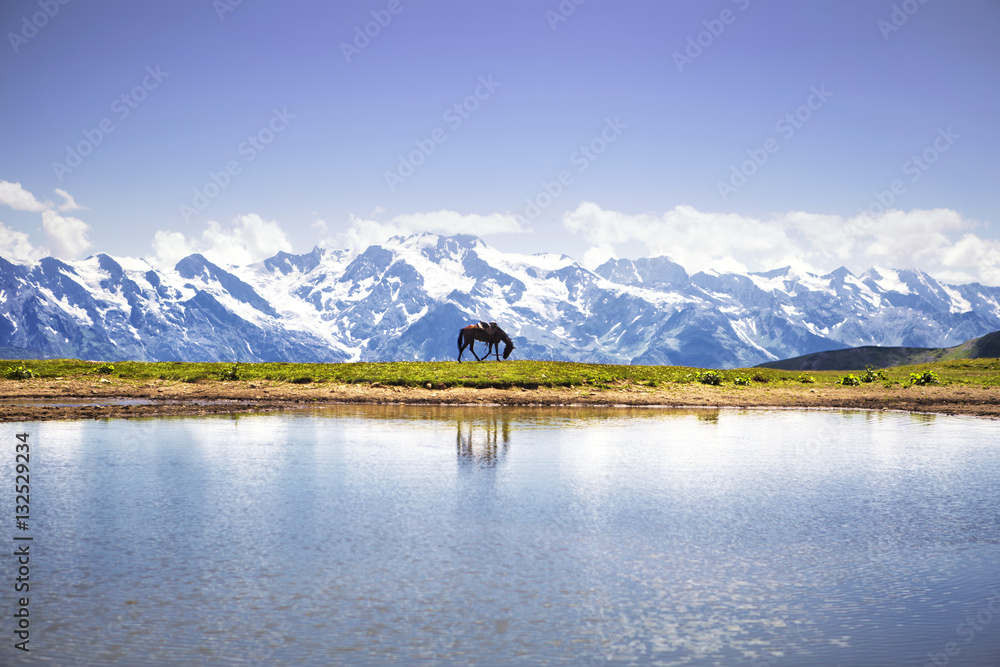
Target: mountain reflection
482	443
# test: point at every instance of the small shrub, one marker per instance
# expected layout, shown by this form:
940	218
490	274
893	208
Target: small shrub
849	380
806	379
924	378
742	381
231	373
106	369
709	377
760	377
20	373
871	375
305	379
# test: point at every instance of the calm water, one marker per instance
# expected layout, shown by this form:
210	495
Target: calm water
392	535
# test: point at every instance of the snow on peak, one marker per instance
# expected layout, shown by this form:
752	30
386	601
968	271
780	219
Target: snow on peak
330	304
887	280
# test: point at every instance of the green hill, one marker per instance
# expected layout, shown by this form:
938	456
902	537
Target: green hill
856	358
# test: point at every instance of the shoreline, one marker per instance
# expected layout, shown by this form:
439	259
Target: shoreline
72	399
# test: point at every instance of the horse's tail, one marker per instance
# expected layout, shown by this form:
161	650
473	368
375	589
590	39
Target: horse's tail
461	333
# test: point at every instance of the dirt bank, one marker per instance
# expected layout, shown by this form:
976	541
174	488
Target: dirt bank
37	399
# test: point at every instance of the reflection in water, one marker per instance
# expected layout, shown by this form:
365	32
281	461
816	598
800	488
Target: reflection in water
576	416
482	443
709	416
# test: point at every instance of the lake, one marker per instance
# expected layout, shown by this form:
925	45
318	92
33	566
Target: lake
504	536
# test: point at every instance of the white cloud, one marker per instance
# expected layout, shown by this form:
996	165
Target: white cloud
598	255
937	241
450	222
248	239
363	232
67	236
15	245
724	241
170	248
971	256
19	199
69	204
320	224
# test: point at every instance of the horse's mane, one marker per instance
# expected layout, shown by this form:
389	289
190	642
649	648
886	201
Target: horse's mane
502	335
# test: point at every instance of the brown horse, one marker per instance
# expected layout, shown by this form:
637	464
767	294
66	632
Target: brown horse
486	333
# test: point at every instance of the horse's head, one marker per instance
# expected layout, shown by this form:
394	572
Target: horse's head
508	348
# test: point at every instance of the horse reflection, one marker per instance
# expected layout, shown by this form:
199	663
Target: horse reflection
482	443
709	416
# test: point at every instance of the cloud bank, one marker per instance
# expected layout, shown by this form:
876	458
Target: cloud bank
363	232
249	238
246	240
939	241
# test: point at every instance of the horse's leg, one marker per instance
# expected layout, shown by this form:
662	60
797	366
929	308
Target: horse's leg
461	345
472	349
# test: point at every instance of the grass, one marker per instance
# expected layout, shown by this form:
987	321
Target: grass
506	374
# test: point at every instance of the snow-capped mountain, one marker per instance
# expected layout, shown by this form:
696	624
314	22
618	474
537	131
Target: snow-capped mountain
406	300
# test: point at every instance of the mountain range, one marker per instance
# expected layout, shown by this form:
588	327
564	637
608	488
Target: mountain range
407	298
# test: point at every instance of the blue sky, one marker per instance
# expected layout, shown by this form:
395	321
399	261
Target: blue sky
730	134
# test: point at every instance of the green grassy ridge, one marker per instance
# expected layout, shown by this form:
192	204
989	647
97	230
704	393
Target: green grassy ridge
855	358
507	374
